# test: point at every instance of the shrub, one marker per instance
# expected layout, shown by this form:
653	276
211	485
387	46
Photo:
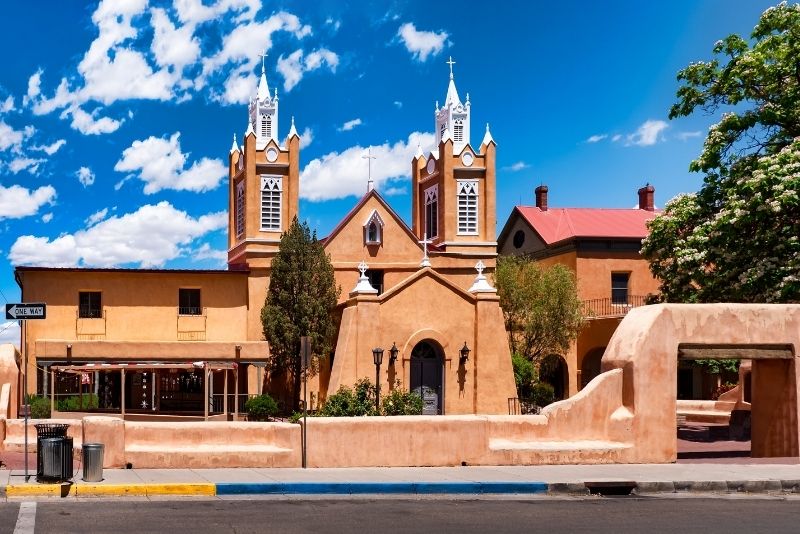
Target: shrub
260	408
347	402
40	407
542	394
401	402
73	403
524	375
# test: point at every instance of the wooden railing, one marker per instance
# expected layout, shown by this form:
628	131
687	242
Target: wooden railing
602	308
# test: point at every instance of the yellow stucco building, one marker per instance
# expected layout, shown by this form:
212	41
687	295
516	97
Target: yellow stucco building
421	289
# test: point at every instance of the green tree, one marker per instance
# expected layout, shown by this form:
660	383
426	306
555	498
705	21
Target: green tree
540	306
737	238
301	296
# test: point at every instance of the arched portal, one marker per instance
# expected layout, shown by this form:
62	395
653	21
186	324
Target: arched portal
553	370
590	366
427	373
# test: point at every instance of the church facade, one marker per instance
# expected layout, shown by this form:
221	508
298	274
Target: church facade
419	291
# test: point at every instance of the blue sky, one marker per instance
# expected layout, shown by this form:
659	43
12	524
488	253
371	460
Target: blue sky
116	118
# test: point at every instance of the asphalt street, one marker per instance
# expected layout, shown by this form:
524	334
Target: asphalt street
596	514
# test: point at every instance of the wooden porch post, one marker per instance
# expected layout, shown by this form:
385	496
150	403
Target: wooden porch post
225	395
122	395
205	387
52	390
236	392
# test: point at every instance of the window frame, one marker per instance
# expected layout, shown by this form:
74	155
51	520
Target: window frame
616	288
272	192
467	207
89	311
431	213
193	308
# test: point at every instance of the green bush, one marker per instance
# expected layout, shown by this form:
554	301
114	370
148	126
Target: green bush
73	403
400	402
542	394
261	408
40	407
524	375
347	402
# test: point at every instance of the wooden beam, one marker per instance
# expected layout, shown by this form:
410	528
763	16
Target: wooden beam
692	351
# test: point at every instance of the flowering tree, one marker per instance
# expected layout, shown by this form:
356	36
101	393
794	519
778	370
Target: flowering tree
736	239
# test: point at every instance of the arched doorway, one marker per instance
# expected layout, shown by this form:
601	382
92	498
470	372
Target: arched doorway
427	365
590	366
553	370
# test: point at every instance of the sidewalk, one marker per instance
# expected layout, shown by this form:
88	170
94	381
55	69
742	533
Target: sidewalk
554	480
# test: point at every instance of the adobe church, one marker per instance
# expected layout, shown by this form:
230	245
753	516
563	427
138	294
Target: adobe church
165	341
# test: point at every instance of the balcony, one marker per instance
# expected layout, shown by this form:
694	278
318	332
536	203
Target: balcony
611	307
191	323
90	324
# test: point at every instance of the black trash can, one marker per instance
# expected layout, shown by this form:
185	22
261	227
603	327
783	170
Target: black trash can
53	452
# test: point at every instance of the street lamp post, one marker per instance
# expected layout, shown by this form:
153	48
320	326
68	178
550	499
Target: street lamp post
377	357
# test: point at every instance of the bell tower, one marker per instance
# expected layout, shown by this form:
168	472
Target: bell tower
263	183
454	187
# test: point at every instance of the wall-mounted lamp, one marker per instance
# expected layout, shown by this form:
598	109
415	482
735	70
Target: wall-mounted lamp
393	352
377	358
464	354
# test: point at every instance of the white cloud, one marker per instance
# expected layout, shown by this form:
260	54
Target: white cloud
195	12
596	138
349	125
647	134
616	137
25	164
171	46
17	202
205	252
149	237
339	175
294	66
50	149
398	104
7	104
34	87
96	217
333	24
160	163
88	124
683	136
421	44
9	137
9	333
518	166
47	217
306	137
85	176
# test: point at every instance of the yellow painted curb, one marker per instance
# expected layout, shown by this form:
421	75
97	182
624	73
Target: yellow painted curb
103	490
40	490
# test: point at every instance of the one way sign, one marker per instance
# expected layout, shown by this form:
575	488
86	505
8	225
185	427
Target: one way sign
26	310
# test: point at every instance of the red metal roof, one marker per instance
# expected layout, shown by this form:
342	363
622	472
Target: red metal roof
560	224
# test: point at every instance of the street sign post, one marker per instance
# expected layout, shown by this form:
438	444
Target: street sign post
23	311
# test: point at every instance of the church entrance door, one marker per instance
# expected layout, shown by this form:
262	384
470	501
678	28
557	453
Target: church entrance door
427	364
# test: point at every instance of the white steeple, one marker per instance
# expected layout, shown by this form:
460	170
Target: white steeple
292	130
264	111
234	146
453	116
487	137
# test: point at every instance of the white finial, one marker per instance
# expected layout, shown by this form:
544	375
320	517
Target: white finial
292	130
369	157
363	286
481	285
487	138
467	98
263	57
276	94
437	106
451	63
234	147
419	154
426	262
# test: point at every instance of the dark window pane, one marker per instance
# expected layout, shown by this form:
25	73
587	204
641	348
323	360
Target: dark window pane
619	288
89	305
375	279
189	302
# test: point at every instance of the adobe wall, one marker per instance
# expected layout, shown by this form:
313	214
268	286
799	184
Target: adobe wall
9	380
645	347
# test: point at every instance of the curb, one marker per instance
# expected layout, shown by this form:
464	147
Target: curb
109	490
362	488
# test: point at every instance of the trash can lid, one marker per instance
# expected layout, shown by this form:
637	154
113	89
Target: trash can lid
92	445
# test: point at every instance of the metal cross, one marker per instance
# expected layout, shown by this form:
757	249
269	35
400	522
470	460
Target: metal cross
451	63
425	260
362	267
480	267
263	57
369	157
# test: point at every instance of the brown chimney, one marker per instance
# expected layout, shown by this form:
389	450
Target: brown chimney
647	198
541	197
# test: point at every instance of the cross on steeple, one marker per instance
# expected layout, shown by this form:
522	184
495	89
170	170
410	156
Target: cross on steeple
451	63
426	262
369	157
263	57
